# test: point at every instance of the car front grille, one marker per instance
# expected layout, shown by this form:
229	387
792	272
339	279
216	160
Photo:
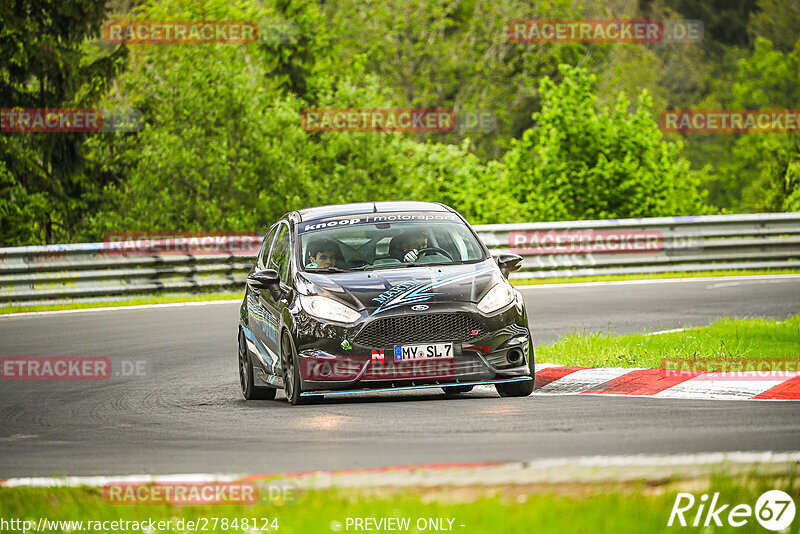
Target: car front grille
423	328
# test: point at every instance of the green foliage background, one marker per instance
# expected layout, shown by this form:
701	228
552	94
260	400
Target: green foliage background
221	146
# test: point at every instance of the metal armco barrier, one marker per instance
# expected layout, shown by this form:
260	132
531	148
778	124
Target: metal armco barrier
651	245
571	248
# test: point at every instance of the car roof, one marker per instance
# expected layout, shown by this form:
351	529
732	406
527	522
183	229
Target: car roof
321	212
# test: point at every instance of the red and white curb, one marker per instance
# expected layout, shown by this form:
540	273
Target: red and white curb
667	383
548	471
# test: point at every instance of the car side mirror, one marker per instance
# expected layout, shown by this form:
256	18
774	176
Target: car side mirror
267	279
508	263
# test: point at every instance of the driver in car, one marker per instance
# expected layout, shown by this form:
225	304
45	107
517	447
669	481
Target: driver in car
322	254
411	243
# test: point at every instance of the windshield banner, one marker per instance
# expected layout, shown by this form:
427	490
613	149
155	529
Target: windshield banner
374	218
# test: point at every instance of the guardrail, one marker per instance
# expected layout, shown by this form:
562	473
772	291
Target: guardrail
551	249
660	244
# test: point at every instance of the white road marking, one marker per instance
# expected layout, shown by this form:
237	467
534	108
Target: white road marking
99	481
585	468
743	283
723	386
118	308
708	386
583	380
660	281
665	331
17	437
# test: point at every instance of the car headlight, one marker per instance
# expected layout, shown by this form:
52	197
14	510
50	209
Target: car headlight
328	309
499	296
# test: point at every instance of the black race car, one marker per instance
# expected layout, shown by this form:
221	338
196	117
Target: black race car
395	295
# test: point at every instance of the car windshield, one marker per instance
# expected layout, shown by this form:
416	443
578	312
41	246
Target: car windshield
384	245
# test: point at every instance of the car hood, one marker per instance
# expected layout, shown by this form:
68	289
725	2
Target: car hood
385	289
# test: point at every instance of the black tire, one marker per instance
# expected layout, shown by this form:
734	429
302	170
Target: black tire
249	390
291	373
515	389
452	391
519	389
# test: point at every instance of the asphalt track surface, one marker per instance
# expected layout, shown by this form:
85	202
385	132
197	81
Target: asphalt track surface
187	415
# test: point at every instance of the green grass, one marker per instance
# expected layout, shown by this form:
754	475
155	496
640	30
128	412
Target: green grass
724	339
132	301
655	276
641	507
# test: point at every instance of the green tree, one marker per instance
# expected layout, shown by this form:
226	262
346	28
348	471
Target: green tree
44	192
223	148
582	161
777	21
456	54
764	165
725	21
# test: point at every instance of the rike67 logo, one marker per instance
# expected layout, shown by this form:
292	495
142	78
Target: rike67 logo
774	510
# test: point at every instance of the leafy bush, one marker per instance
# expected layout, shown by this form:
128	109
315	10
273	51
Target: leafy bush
585	162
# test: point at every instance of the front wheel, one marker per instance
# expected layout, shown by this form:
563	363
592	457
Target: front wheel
249	390
519	389
452	391
291	372
515	389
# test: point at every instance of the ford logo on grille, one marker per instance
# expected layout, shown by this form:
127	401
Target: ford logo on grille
420	307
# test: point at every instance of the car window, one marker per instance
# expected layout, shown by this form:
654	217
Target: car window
266	245
366	245
279	257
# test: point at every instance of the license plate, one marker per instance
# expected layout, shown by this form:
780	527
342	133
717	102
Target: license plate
422	352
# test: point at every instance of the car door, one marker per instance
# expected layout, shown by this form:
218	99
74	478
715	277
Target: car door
262	325
274	302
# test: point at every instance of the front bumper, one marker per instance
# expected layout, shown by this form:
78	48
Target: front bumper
411	387
480	358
